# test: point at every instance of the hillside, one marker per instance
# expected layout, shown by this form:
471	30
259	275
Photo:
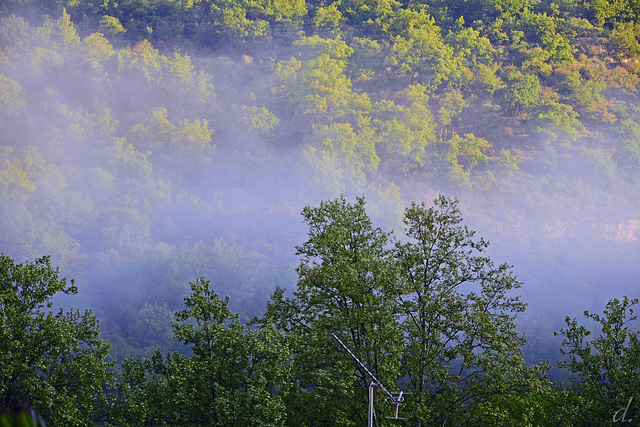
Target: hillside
148	143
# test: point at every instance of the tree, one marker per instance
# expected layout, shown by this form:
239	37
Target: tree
462	355
346	286
405	131
461	154
235	375
430	316
352	152
628	155
328	20
111	25
11	101
624	39
314	82
606	369
601	12
54	361
470	46
522	91
556	119
21	416
417	50
97	49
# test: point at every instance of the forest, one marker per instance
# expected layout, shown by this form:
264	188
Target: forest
160	154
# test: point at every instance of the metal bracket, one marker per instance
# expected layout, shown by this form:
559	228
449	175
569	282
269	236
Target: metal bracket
375	383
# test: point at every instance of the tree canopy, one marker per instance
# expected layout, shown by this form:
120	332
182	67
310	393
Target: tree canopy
54	360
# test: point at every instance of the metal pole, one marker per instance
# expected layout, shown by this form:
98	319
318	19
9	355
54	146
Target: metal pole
370	418
375	383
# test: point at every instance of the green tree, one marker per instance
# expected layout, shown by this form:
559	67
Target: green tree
405	130
62	32
21	416
625	39
462	355
54	361
229	23
235	374
354	152
487	78
314	82
460	154
260	121
11	101
111	25
471	46
431	316
276	10
417	50
522	90
328	20
585	94
628	153
610	12
606	368
97	49
346	286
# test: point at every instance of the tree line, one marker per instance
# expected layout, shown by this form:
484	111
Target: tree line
429	314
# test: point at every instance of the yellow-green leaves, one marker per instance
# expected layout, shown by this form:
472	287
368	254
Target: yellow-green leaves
111	25
315	80
194	136
97	49
353	152
16	175
522	90
328	20
262	121
11	100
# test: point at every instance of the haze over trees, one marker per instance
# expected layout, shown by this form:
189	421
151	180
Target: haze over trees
145	145
431	316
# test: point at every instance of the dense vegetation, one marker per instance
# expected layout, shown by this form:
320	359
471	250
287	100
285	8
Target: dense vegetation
146	144
432	316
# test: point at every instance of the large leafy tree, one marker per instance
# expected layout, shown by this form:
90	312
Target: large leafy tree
461	353
53	360
430	316
346	286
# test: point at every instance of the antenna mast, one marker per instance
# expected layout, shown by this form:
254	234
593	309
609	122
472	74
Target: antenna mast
394	400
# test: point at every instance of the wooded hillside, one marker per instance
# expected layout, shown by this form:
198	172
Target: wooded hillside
146	144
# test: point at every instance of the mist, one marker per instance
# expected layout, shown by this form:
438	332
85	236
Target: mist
140	170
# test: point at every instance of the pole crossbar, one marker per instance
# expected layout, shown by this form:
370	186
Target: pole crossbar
362	365
375	383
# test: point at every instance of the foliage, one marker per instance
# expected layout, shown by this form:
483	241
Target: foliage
21	416
145	143
522	90
234	374
11	103
461	350
345	287
55	361
411	312
606	368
